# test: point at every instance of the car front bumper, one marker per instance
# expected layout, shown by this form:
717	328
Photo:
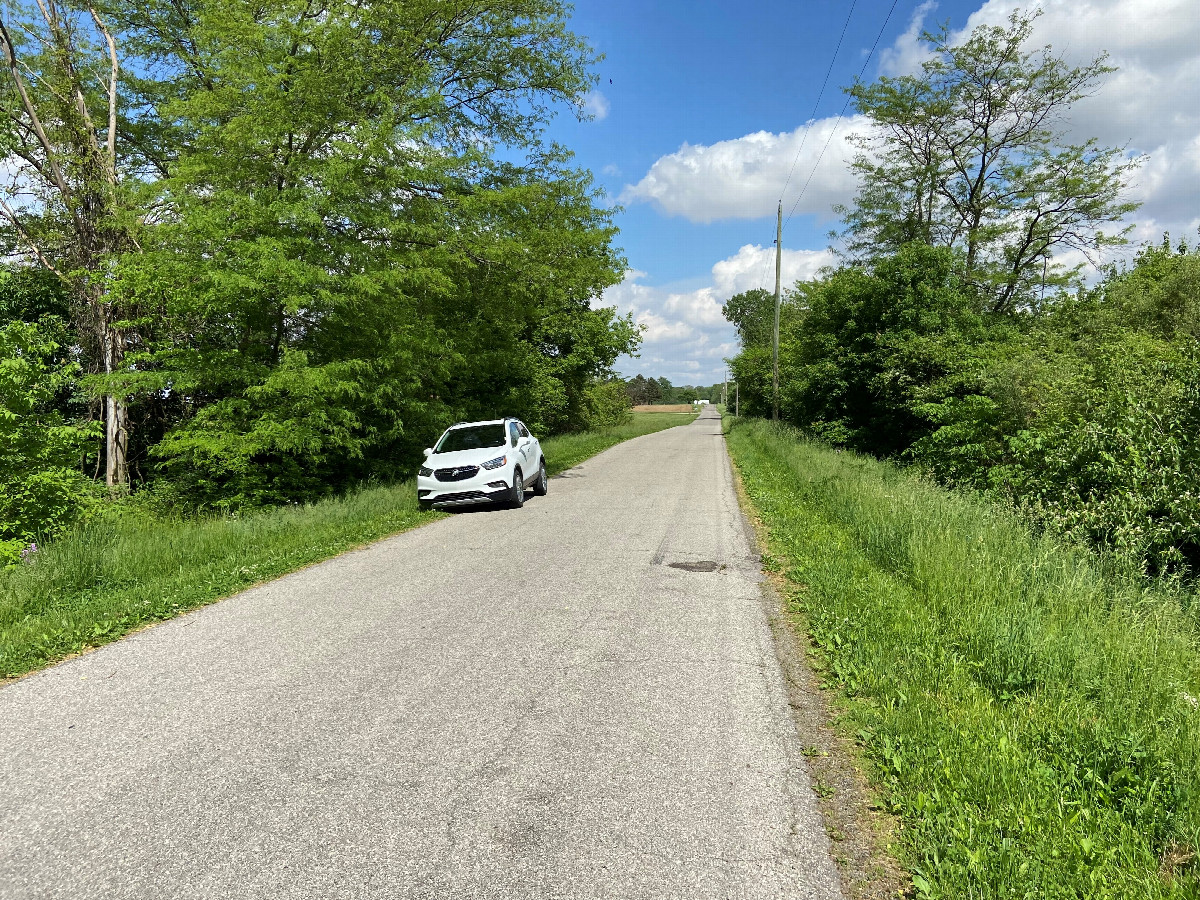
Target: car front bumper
486	487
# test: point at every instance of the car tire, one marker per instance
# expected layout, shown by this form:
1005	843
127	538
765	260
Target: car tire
517	497
541	487
424	505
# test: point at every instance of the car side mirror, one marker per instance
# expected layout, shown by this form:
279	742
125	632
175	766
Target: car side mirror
429	451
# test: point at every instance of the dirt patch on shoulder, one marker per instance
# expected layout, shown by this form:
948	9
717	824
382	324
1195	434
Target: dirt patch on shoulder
859	831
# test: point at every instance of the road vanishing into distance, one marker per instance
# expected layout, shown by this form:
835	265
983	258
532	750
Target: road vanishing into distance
576	699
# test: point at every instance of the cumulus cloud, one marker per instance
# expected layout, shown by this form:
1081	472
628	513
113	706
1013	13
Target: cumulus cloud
742	178
753	266
1150	105
596	105
686	338
907	53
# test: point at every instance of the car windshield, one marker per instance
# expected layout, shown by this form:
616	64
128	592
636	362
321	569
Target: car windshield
471	438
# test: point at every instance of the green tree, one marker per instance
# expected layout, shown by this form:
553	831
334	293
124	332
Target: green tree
753	315
363	236
871	347
970	154
67	206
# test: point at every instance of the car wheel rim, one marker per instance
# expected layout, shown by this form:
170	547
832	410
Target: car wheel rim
519	482
542	478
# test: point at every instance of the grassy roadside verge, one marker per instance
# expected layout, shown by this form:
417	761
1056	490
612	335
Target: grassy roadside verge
114	576
1031	722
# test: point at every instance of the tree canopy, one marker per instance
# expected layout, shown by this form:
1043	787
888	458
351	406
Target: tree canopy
971	154
320	232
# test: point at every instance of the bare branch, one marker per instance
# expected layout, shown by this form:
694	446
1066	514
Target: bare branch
37	251
112	91
26	102
51	20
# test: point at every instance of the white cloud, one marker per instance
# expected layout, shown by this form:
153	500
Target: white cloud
657	330
907	54
596	105
700	307
686	338
753	266
742	178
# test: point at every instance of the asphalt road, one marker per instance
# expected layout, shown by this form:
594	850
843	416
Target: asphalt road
505	703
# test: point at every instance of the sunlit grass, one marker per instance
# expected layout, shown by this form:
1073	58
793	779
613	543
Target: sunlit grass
1031	720
119	573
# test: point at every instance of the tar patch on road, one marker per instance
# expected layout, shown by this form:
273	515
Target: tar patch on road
700	565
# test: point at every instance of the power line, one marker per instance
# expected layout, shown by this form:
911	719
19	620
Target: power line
842	114
817	104
833	130
811	118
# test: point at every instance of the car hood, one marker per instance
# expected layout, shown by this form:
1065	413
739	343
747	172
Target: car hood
464	457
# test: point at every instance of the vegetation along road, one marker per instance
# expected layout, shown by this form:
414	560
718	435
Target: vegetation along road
578	698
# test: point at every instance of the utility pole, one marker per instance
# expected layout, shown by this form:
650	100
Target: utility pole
775	342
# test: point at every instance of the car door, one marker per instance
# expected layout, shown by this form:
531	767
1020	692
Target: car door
532	448
517	447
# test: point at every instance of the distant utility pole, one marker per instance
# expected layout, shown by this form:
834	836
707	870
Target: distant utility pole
775	342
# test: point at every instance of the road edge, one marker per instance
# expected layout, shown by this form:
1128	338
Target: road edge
859	831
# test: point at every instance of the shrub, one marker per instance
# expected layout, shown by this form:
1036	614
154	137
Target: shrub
607	403
42	491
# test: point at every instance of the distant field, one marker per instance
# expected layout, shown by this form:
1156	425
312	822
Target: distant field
664	408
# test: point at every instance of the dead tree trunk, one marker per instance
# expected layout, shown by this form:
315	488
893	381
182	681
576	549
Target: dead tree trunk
71	162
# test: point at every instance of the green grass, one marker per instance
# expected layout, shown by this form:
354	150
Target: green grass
120	573
1031	720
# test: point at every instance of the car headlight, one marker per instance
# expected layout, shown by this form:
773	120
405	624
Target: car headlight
495	463
425	471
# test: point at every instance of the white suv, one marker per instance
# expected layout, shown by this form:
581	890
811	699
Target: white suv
482	462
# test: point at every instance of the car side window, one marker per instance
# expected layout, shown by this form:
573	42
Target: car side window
524	431
513	433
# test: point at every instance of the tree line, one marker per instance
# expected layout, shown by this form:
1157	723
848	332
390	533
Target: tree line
953	337
256	252
643	391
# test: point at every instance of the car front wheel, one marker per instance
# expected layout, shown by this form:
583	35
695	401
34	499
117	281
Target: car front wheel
542	486
518	489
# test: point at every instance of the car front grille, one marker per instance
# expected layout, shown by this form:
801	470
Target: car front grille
462	495
457	473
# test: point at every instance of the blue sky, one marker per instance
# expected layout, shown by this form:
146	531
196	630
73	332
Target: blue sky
702	106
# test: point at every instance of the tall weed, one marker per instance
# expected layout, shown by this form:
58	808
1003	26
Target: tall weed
1031	717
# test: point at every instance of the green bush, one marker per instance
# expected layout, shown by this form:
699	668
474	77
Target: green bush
42	491
872	346
606	404
1114	458
1089	418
